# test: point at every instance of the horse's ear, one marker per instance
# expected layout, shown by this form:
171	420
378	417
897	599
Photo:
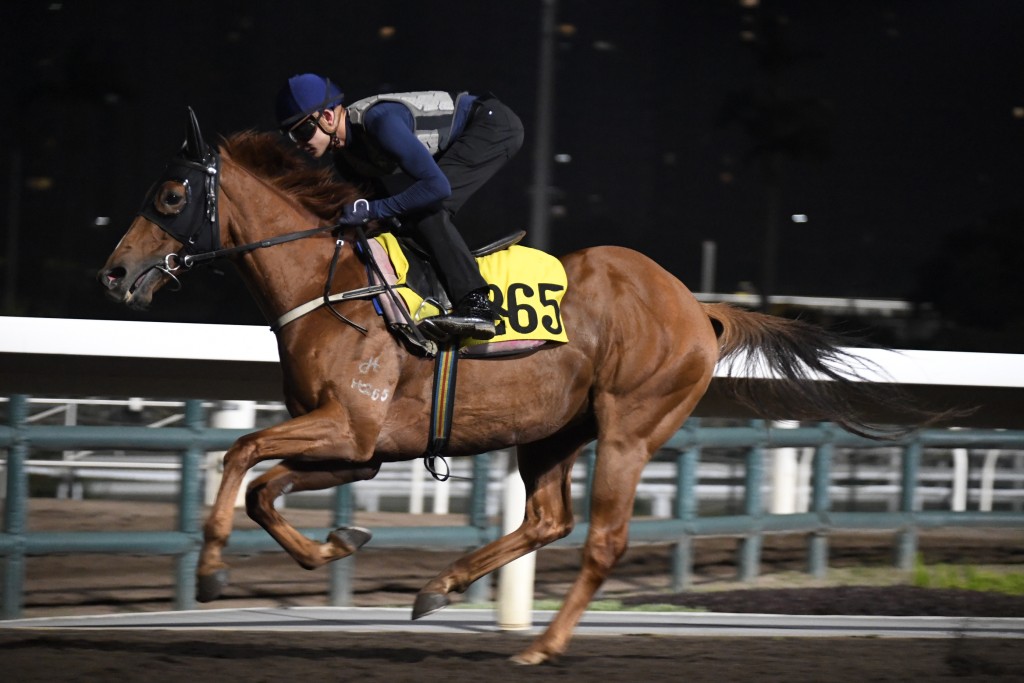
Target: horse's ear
195	146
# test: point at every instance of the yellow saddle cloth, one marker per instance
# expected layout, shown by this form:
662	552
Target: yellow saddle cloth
526	287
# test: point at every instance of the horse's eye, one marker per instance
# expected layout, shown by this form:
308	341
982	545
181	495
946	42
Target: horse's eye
171	198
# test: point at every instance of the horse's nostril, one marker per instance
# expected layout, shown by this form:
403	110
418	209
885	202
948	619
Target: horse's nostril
113	276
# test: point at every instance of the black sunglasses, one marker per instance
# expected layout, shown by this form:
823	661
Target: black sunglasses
304	130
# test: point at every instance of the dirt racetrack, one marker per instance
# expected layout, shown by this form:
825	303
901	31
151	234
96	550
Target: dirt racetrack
101	584
159	657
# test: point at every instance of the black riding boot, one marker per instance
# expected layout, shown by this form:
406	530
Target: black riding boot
472	317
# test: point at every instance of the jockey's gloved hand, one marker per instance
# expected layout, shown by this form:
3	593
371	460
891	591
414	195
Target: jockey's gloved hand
356	213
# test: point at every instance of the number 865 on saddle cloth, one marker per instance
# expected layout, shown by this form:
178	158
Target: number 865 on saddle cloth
526	288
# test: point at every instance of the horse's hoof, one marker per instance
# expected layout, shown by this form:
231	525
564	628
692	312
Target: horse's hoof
530	658
350	538
210	586
428	603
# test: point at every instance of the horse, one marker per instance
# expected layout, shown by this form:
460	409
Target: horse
642	351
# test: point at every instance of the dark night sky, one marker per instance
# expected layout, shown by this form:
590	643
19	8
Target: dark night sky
917	100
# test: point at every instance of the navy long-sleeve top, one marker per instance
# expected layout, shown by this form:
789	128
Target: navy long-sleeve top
392	126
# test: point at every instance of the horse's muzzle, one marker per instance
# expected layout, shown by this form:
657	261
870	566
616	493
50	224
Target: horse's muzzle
135	293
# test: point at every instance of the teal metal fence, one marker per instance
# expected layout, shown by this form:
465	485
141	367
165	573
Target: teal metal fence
194	439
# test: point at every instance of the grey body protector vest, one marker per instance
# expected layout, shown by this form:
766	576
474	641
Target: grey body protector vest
433	113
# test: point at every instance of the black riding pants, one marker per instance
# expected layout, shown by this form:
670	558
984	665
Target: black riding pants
492	136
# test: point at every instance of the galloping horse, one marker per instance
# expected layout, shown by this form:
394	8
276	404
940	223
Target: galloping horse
641	353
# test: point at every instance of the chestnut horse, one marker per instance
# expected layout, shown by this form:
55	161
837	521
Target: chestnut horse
641	353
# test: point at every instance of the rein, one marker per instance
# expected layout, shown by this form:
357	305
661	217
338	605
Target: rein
189	260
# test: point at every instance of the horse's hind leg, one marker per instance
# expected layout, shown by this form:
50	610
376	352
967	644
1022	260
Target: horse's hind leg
292	477
546	468
622	454
616	474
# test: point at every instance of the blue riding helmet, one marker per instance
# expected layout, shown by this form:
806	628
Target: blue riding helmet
303	95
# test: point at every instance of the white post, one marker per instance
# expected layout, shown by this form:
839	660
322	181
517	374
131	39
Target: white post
515	580
442	493
416	474
988	480
803	498
784	474
228	415
958	502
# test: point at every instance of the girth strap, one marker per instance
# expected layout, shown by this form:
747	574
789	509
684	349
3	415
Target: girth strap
442	407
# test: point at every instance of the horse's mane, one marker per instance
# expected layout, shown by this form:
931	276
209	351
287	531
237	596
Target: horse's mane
266	156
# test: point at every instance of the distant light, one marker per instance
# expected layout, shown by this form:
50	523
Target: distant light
563	158
799	218
1018	112
56	6
39	183
749	3
603	46
386	32
101	221
567	30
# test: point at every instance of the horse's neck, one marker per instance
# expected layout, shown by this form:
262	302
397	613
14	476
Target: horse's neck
282	276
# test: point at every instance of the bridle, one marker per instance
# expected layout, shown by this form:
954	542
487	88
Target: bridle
196	225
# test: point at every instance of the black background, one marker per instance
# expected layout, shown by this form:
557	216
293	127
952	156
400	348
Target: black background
895	126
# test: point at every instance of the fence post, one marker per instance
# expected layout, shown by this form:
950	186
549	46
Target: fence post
480	590
189	511
15	509
686	510
821	475
589	460
753	508
906	537
343	570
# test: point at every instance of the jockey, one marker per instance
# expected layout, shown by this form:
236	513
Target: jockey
424	154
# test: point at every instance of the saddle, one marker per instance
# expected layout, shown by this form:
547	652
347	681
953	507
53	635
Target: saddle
525	285
525	288
422	277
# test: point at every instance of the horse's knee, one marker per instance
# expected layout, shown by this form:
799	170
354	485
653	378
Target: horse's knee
540	532
241	455
258	497
603	550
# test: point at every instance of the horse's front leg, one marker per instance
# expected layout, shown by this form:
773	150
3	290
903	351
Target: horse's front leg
296	476
322	433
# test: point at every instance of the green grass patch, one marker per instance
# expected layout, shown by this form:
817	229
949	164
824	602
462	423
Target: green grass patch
967	577
595	606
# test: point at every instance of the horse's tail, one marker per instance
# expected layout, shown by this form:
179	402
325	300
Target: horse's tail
797	356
